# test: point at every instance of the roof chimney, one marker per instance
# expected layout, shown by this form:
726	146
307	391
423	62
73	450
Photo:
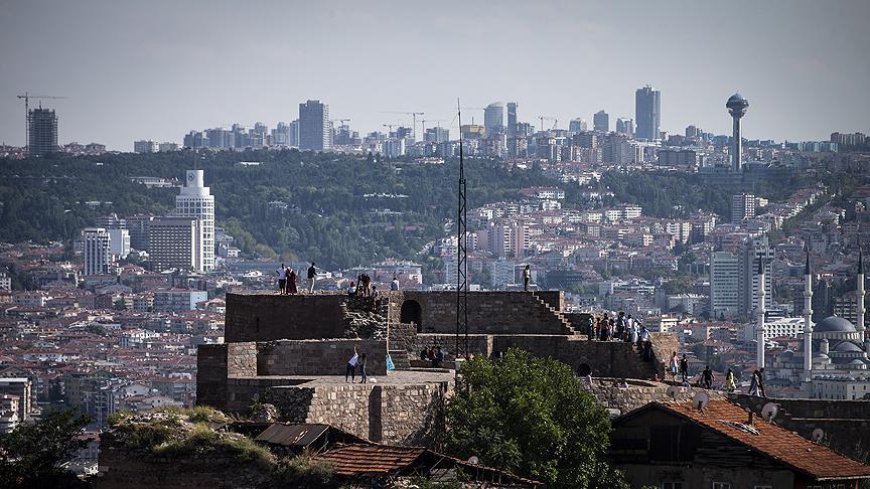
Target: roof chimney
751	418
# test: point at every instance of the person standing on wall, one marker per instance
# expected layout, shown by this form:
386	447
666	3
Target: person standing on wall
527	276
291	282
281	279
312	274
350	371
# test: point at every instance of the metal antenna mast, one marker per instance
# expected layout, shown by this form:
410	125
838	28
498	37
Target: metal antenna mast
461	252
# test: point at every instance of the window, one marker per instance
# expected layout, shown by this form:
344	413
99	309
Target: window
672	485
721	485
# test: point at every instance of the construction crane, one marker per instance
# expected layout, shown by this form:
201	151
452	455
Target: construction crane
546	117
423	123
473	108
27	96
413	116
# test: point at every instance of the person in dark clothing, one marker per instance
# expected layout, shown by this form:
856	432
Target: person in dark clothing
527	277
364	379
707	378
312	274
684	368
439	357
281	279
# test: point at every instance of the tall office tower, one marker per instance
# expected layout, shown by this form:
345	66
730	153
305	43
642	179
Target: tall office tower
577	125
281	135
724	284
742	207
120	242
692	132
601	121
174	243
437	135
196	200
493	118
737	106
98	250
512	119
42	132
314	130
139	227
753	251
625	126
294	134
647	112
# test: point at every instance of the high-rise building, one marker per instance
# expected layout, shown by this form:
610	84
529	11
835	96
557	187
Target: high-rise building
138	226
97	251
196	201
625	126
742	207
437	135
577	125
512	119
750	254
601	121
314	126
119	242
724	284
174	243
42	132
737	106
647	113
493	118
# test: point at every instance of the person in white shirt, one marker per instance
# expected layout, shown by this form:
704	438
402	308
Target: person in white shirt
351	366
394	285
282	278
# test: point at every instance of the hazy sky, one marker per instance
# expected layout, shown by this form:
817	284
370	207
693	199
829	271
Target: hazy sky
156	69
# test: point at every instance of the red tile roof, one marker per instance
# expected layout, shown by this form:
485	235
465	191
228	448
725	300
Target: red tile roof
782	445
357	460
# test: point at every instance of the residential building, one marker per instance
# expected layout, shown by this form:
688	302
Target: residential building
145	146
648	112
625	126
724	284
97	251
742	207
119	242
511	119
178	300
315	133
196	201
720	446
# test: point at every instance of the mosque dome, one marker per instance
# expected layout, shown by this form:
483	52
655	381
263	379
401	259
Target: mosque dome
847	347
834	324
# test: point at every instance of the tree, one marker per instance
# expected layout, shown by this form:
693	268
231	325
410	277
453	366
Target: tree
30	456
532	417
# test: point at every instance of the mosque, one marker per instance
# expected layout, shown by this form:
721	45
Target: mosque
835	362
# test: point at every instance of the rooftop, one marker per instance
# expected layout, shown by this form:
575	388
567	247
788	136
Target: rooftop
782	445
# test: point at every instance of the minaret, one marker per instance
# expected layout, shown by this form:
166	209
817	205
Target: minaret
860	292
808	321
759	326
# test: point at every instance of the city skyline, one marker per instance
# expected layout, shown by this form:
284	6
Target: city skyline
164	75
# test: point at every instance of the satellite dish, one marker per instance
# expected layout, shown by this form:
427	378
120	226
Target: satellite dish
473	460
672	392
700	400
768	412
818	435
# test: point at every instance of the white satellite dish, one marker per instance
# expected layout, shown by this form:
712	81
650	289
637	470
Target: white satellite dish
700	400
672	392
818	435
768	412
473	460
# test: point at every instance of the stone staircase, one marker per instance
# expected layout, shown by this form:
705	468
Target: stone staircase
568	328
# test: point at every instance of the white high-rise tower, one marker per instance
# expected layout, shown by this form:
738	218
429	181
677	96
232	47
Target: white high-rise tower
196	200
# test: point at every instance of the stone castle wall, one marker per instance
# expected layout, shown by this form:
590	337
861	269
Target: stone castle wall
265	317
318	357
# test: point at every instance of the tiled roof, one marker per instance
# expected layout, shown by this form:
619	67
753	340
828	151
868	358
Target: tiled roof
771	440
360	460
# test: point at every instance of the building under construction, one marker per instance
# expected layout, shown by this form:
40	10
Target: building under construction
42	132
